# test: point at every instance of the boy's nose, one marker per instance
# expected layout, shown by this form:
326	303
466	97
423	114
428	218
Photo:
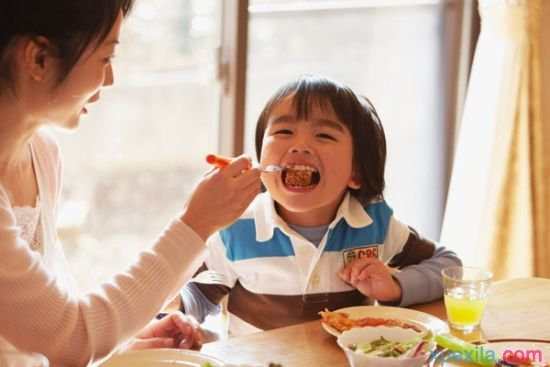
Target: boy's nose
300	149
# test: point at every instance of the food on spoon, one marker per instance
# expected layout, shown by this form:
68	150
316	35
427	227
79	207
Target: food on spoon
296	177
300	176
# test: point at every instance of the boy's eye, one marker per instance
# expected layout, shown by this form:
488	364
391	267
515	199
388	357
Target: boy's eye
283	132
326	136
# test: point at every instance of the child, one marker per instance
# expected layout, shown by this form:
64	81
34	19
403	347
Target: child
322	236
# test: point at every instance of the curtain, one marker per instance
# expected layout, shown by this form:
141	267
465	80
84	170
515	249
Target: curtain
497	208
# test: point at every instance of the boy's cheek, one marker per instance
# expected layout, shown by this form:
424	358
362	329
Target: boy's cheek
269	182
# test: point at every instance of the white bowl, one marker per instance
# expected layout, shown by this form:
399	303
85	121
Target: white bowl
160	358
369	334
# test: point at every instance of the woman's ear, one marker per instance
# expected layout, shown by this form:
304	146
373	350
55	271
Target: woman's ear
37	58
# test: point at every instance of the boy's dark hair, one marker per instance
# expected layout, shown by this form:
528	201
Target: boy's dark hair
356	112
70	25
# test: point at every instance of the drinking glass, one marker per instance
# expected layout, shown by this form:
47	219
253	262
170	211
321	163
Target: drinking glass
466	290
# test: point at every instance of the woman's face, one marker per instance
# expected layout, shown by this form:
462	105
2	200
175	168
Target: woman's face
319	149
82	87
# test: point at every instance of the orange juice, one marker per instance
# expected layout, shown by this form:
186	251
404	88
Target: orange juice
464	309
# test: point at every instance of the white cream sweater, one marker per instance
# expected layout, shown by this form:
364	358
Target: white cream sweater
38	313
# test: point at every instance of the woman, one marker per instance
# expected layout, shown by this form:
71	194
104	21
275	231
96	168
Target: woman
54	60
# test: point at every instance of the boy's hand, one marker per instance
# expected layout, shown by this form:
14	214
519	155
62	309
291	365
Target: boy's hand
372	278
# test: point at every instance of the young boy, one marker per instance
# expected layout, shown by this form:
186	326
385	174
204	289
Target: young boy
322	236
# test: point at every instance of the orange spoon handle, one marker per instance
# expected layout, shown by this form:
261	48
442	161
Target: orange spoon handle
218	160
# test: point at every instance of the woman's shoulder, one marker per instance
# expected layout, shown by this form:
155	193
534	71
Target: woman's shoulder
6	212
46	148
44	140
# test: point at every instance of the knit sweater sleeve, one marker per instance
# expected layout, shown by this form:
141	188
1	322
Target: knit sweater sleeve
71	330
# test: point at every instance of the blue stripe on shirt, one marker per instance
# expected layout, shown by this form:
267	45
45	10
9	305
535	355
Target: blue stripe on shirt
240	238
240	242
343	237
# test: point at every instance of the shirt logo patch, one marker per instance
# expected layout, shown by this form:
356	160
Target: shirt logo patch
361	253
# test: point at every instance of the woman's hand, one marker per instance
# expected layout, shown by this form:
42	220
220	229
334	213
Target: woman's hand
175	330
372	278
221	197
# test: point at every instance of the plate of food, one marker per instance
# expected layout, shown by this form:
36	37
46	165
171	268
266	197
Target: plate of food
162	358
337	321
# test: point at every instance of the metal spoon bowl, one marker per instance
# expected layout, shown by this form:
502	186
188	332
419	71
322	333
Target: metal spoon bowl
271	168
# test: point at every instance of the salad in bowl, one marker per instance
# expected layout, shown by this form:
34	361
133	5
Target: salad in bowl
386	346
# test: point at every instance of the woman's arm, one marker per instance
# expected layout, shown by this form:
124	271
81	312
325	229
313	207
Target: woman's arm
37	314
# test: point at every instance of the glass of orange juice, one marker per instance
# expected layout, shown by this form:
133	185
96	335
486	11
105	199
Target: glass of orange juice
466	290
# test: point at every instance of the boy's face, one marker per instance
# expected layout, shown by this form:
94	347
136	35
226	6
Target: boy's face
317	155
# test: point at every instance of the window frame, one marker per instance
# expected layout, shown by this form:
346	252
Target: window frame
232	56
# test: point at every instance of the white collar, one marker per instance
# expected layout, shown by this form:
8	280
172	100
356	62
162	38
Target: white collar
266	218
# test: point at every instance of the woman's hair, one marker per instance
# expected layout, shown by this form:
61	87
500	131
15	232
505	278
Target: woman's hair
356	112
69	25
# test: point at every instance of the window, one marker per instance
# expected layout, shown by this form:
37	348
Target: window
400	54
140	151
136	155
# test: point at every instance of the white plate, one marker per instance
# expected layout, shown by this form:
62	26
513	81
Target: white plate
161	358
423	320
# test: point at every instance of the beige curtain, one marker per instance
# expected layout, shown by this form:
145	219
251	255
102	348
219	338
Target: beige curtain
498	205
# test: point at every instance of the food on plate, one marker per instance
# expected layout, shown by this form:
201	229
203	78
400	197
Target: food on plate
382	347
342	322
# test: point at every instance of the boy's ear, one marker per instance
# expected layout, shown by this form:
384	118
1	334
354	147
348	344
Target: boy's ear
354	182
37	57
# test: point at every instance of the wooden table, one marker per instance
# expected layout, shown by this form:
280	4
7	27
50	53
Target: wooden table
518	308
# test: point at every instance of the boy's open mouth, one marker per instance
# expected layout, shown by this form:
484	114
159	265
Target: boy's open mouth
299	176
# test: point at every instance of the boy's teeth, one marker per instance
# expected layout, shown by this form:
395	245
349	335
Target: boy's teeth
301	167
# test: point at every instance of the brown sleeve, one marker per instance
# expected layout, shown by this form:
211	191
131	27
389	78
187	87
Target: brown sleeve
415	250
202	268
210	284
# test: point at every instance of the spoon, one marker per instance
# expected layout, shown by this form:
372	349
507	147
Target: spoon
271	168
221	162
